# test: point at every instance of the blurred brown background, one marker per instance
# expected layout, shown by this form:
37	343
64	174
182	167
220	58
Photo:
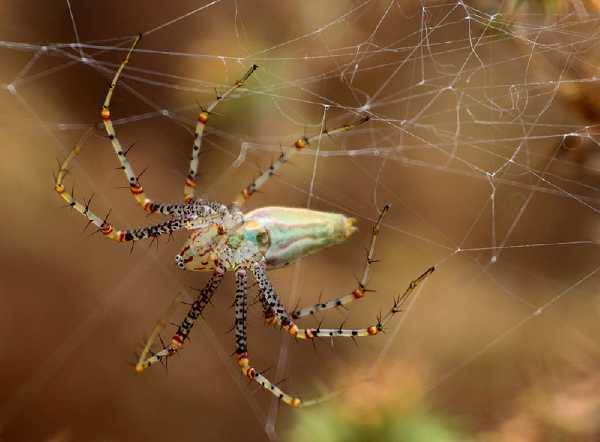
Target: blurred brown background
75	307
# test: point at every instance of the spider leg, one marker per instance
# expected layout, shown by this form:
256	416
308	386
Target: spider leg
276	313
241	313
102	224
300	144
203	209
184	328
360	290
189	188
135	187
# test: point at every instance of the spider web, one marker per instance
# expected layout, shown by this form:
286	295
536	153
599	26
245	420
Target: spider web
482	135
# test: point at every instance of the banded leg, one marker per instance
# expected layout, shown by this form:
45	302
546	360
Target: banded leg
189	188
361	289
102	223
184	328
274	307
241	340
135	187
300	144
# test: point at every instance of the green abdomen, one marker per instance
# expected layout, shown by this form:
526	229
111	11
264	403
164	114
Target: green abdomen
295	232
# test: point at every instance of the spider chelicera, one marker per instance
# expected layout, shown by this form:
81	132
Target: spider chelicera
224	239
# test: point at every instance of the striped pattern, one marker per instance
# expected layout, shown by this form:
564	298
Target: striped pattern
297	232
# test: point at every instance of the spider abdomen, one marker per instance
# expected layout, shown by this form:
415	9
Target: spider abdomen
295	232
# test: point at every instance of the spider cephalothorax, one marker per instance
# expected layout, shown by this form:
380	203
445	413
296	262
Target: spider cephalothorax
224	239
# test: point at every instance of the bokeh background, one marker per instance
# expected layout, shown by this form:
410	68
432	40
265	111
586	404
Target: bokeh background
482	137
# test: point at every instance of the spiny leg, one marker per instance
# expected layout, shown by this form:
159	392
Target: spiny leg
300	144
241	313
102	223
184	328
361	289
273	309
399	303
135	187
276	314
189	188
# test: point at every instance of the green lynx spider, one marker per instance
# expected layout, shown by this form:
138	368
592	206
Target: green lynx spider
224	239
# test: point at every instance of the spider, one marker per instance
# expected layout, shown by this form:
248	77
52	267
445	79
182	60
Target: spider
224	239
